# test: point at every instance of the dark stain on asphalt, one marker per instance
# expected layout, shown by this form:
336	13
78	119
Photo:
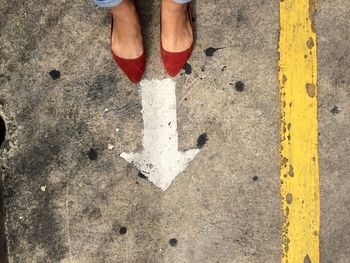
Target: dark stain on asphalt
93	154
209	52
240	15
2	130
92	212
9	193
4	78
239	86
141	175
100	87
335	110
55	74
202	140
123	230
40	224
173	242
188	68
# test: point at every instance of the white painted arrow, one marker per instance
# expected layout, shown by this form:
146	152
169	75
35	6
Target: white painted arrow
160	161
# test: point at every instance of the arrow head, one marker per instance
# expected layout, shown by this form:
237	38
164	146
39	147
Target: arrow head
162	168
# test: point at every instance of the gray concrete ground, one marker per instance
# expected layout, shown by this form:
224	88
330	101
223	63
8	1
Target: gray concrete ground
69	198
333	24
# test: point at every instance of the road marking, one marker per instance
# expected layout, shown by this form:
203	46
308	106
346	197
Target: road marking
160	161
299	159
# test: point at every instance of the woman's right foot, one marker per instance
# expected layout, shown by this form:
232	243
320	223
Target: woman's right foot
126	35
126	40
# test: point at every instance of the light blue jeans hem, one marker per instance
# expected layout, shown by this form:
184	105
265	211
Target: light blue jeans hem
112	3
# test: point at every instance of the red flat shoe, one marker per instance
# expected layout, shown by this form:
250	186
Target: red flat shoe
132	68
174	61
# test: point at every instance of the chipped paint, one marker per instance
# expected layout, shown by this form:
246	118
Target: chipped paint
311	89
298	132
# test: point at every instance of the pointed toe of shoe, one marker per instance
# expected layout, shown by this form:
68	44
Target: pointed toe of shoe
134	72
174	61
132	68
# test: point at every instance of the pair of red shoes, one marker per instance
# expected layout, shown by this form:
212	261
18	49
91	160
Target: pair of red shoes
173	61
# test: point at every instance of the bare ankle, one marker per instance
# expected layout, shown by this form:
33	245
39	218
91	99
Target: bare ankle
124	9
170	6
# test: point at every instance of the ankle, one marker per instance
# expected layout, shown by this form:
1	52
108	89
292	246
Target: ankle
124	10
171	7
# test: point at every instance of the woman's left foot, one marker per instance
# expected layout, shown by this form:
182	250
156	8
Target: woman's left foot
176	35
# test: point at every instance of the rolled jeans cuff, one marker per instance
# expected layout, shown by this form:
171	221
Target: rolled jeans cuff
112	3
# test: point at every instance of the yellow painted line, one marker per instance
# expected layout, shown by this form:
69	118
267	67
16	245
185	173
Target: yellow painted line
299	159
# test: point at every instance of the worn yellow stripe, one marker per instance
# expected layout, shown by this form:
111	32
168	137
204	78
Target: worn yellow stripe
299	160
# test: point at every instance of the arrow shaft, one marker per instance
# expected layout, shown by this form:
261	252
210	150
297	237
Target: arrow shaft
160	159
159	116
